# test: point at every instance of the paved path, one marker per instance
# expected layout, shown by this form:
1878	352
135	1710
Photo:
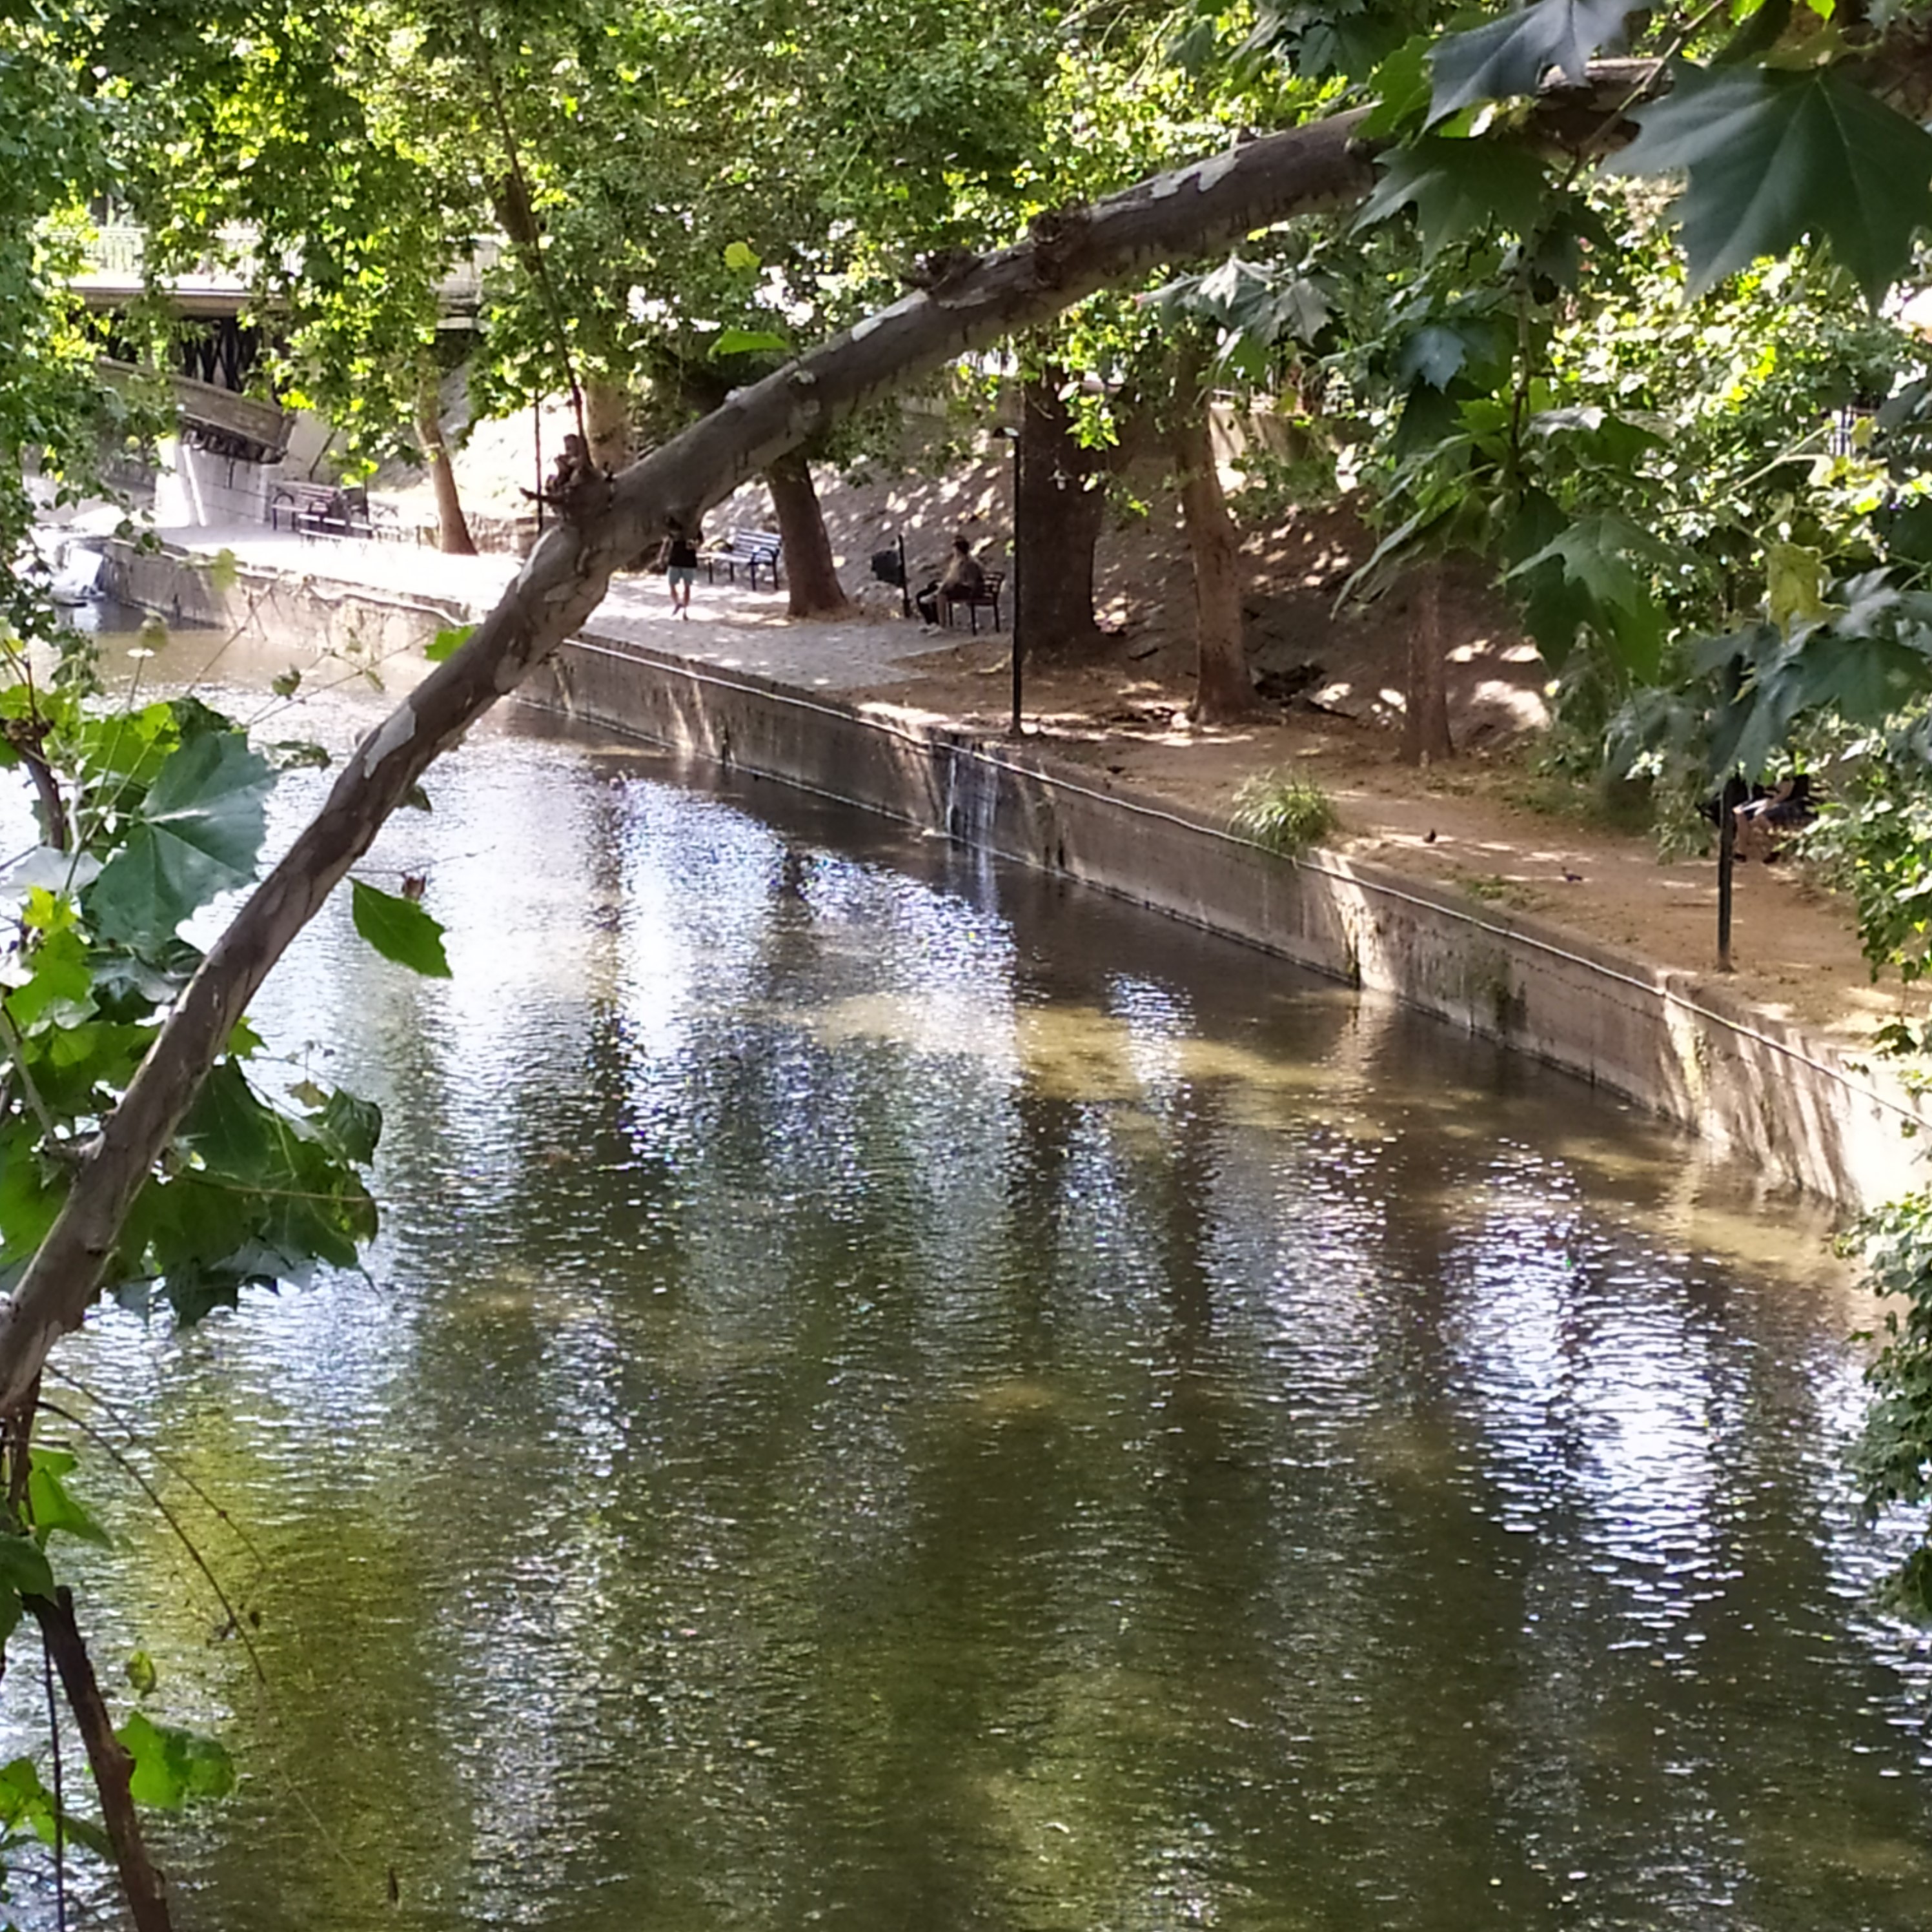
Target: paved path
730	626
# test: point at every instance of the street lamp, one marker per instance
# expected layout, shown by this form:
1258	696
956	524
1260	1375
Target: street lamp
1015	729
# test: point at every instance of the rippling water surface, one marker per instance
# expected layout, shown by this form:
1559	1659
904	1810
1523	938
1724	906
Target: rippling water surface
894	1395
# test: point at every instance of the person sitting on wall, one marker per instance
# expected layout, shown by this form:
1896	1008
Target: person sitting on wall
961	580
577	484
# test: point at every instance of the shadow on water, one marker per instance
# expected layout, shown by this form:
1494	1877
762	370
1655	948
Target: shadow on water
895	1392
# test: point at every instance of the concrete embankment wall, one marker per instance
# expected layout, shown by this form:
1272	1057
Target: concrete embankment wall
1804	1113
312	614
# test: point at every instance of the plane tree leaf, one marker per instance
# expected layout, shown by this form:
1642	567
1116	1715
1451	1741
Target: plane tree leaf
23	1567
1605	583
1457	188
58	978
1794	586
1510	56
1402	89
257	1196
1255	303
53	1508
1770	156
748	342
198	832
26	1801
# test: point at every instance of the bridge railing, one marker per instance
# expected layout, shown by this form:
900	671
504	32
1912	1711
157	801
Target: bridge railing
114	251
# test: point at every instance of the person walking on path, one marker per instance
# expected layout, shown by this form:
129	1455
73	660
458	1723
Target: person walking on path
680	563
963	578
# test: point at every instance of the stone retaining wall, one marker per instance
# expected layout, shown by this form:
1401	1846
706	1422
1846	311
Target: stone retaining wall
313	614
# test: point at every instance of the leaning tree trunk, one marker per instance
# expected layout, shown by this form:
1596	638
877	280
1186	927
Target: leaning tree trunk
607	423
452	527
811	579
1425	722
1062	503
1193	212
1224	692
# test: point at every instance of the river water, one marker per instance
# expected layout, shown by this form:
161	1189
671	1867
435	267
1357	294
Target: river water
894	1394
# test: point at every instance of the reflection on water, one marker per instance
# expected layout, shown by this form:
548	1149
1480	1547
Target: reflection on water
894	1395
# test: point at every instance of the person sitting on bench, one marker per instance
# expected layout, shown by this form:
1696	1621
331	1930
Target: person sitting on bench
963	579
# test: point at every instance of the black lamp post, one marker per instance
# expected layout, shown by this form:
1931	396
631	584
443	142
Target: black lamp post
1016	729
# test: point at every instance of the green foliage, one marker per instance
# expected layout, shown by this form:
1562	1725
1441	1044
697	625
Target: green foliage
1894	1456
399	929
161	808
173	1766
55	415
1284	811
1512	55
1874	840
1772	156
27	1806
52	1507
1459	188
447	642
194	833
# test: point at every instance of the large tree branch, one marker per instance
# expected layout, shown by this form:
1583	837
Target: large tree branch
1193	212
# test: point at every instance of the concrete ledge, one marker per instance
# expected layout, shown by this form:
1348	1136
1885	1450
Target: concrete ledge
1804	1113
326	610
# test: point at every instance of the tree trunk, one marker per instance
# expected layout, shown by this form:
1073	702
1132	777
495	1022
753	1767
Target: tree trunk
812	589
1062	502
452	528
1425	721
607	422
1190	212
1224	692
107	1757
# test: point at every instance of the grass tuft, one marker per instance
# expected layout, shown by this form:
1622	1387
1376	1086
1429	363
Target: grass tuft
1284	811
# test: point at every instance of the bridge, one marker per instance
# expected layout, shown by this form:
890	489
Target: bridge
218	358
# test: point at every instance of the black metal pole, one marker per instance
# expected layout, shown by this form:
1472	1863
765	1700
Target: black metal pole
1729	799
1017	729
536	435
905	582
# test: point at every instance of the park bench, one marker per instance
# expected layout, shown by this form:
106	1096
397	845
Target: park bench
320	509
756	549
986	598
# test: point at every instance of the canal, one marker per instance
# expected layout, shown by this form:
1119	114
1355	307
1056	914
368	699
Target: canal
893	1394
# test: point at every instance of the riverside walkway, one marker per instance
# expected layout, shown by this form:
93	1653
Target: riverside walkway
730	627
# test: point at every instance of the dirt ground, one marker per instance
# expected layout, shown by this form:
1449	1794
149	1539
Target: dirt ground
1492	820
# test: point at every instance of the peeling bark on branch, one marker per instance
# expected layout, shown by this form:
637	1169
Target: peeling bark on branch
1193	212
